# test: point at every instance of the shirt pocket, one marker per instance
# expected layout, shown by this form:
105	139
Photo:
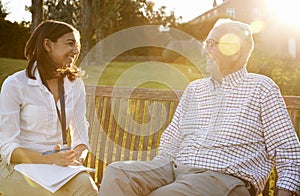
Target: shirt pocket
35	118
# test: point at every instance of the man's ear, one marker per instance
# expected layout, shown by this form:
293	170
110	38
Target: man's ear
47	45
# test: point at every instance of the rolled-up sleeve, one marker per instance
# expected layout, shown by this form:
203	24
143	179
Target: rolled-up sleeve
9	118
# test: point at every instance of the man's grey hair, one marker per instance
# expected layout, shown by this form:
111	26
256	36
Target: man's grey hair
243	31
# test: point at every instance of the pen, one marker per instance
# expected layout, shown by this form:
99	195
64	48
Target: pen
55	151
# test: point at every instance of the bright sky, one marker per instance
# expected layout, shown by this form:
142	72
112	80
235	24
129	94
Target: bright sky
16	8
286	12
188	9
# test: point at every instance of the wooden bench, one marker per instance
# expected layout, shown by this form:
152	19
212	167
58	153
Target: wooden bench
126	123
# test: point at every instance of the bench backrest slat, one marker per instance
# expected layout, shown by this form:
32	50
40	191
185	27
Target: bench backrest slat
126	123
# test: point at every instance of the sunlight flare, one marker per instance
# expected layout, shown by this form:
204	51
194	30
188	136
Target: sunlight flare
286	12
229	44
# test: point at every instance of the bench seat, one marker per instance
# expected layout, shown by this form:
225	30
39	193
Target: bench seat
126	124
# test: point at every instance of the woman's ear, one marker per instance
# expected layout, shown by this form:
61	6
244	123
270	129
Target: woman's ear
47	45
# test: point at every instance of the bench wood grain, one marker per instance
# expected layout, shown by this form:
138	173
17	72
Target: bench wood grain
126	124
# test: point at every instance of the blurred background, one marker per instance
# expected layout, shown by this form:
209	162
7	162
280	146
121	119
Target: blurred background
274	22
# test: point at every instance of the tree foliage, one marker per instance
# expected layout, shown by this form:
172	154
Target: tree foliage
107	16
3	12
13	37
63	10
284	71
122	14
160	16
200	30
97	19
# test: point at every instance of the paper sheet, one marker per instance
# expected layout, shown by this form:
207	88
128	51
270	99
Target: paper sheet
49	176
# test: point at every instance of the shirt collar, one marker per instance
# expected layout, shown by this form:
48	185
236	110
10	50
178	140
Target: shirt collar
232	79
38	81
235	78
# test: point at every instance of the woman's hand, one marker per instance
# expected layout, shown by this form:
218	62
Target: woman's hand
74	156
82	151
63	158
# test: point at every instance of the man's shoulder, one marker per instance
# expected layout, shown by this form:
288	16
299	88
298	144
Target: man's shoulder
260	79
198	85
201	81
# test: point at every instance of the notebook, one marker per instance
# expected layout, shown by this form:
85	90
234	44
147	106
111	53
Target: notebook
49	176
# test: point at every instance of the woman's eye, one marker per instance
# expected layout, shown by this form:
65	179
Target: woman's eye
70	43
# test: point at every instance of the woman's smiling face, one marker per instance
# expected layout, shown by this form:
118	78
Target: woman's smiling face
65	51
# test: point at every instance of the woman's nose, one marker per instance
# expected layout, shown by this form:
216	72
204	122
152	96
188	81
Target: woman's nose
76	49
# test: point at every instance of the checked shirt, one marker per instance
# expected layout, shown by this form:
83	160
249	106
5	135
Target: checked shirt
240	127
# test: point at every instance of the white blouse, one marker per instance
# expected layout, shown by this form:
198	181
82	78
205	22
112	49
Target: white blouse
28	116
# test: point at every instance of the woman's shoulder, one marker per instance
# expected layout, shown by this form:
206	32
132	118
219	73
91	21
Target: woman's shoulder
76	85
77	82
14	81
17	76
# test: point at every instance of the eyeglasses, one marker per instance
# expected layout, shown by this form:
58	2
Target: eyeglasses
209	44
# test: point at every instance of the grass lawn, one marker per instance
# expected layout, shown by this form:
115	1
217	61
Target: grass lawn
146	74
9	66
130	74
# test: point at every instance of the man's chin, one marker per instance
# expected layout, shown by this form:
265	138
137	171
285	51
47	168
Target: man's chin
209	69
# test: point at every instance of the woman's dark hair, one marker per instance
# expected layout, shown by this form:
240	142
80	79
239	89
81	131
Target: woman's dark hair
34	49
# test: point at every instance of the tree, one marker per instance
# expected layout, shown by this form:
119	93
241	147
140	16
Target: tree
3	12
86	26
13	37
200	30
63	10
160	16
101	18
12	33
115	15
37	12
97	19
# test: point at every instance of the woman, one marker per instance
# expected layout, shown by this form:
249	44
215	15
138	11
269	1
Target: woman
37	105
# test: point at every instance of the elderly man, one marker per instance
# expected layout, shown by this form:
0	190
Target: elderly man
226	134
